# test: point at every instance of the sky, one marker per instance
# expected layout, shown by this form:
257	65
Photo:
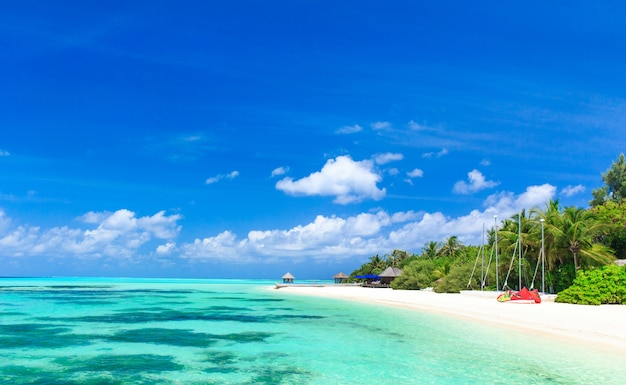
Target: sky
245	139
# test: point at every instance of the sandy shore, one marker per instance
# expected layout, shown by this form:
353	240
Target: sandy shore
601	327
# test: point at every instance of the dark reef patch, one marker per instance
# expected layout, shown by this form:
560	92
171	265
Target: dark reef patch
184	338
33	335
274	376
220	358
174	337
136	317
263	299
122	364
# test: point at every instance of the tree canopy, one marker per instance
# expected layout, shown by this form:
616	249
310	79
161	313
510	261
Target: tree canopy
614	188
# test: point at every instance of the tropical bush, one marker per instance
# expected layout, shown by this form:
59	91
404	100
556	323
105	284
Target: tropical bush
456	280
605	285
418	274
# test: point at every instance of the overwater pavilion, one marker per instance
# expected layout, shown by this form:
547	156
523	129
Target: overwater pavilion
288	278
340	277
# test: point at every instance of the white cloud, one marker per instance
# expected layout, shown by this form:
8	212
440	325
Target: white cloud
570	190
508	204
476	183
337	238
280	171
123	235
223	246
5	222
217	178
485	162
167	248
120	234
349	129
432	154
413	125
381	126
393	171
320	239
4	153
387	157
345	179
415	173
192	138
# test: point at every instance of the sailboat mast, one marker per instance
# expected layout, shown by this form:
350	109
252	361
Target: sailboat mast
495	226
519	259
482	267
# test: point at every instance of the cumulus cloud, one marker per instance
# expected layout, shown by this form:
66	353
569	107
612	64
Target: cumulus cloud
415	173
570	190
280	171
167	248
347	180
217	178
119	234
124	235
324	237
387	157
336	238
349	129
4	153
381	126
476	183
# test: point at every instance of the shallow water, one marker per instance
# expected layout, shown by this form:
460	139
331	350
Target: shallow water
124	331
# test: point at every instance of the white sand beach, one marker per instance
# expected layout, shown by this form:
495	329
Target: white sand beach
601	327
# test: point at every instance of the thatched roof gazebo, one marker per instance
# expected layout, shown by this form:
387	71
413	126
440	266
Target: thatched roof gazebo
340	277
288	278
389	274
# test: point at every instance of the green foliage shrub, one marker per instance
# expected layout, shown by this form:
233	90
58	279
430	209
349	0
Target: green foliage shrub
605	285
561	278
456	280
418	274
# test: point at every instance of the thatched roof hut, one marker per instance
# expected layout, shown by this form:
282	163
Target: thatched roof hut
340	277
288	278
389	274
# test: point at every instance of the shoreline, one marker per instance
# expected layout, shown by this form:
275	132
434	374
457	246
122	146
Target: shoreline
600	327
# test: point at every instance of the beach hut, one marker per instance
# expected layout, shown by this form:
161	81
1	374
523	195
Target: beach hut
389	274
288	278
340	277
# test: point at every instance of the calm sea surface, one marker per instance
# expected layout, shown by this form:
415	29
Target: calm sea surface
131	331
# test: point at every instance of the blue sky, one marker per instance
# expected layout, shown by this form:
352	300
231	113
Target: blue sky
245	139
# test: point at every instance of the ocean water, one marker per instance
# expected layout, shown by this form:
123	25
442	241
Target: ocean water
132	331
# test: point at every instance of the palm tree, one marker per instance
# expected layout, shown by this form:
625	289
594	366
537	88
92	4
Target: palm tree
431	250
451	247
397	257
574	230
519	229
377	264
551	217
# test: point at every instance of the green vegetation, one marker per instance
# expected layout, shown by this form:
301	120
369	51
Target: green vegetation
579	244
605	285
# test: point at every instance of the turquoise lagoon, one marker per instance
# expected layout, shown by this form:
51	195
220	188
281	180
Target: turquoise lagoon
140	331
